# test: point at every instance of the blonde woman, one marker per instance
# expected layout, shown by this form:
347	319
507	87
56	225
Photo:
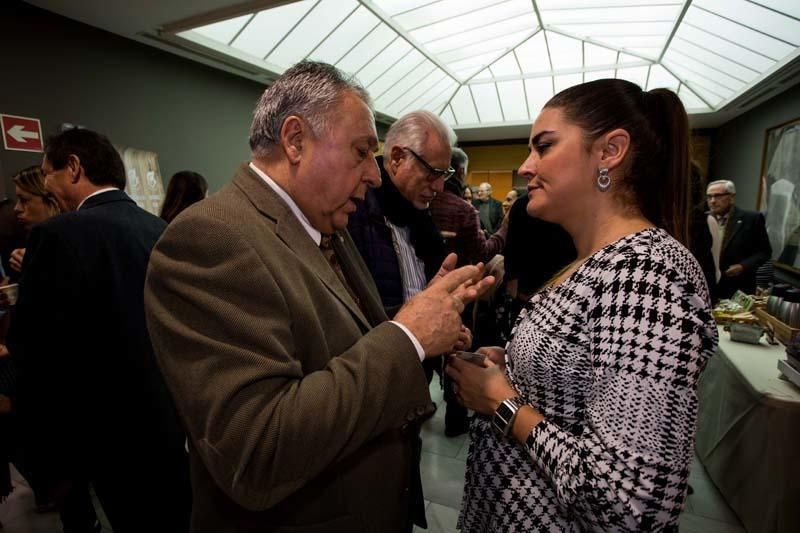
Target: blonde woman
34	205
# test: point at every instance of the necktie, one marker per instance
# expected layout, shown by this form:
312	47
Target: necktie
326	246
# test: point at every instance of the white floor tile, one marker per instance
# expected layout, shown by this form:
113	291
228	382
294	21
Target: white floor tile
442	479
435	441
441	519
690	523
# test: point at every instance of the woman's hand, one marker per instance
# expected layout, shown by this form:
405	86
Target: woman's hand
480	388
464	339
495	354
15	261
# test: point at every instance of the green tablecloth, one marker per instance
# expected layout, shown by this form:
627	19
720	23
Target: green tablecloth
748	435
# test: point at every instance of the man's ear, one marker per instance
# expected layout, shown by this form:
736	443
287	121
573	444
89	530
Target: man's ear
614	148
396	157
293	132
74	167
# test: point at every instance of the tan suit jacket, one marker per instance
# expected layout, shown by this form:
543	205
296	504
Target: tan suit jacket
301	411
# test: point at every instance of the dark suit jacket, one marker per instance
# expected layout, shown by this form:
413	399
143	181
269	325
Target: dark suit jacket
746	243
373	238
296	402
491	214
91	396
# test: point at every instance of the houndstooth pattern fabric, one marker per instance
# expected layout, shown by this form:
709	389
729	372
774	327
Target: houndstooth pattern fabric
611	358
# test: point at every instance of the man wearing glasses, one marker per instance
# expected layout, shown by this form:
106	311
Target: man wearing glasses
740	241
393	228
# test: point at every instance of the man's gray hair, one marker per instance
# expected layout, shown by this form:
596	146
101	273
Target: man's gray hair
309	90
459	159
729	185
485	185
411	131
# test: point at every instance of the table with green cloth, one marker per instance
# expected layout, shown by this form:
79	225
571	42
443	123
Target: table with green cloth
748	434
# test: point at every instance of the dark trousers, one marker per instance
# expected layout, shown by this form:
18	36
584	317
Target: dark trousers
144	495
77	511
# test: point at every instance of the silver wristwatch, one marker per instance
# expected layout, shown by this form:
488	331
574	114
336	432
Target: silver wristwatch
505	414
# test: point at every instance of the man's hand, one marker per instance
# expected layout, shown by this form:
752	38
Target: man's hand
15	261
448	265
734	270
481	286
434	315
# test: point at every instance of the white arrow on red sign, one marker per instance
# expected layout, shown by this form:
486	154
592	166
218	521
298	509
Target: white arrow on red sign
19	133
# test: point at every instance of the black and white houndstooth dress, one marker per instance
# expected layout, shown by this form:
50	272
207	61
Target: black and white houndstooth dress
611	358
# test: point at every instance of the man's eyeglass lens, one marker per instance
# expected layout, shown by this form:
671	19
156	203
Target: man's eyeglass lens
433	172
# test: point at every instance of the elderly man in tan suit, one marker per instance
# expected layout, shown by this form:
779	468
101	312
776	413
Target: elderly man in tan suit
300	400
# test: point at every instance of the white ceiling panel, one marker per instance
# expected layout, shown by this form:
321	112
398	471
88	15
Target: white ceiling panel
395	73
691	100
485	61
492	21
505	66
754	16
512	98
596	56
565	81
599	75
408	100
637	75
448	115
533	56
354	28
565	51
485	95
660	78
572	4
732	31
538	91
709	72
749	58
224	32
406	84
320	21
374	43
613	15
269	27
398	49
464	106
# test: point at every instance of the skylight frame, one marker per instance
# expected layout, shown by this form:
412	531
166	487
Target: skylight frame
714	77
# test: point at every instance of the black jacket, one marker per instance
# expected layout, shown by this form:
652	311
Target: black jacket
746	243
373	238
90	395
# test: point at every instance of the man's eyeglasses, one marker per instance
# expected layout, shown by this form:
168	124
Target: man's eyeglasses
433	172
718	195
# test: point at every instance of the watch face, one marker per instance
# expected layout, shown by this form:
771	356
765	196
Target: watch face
504	415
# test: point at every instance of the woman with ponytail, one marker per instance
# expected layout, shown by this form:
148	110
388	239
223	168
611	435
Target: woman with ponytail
585	421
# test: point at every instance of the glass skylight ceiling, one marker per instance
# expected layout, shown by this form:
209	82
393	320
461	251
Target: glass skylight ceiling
493	62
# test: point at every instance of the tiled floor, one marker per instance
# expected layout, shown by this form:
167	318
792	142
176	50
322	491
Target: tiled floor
443	462
444	459
18	516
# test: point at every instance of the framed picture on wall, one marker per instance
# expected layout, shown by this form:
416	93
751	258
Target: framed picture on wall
779	191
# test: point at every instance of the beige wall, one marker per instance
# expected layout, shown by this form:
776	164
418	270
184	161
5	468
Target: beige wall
495	164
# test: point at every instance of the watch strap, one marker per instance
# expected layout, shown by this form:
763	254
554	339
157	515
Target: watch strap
505	415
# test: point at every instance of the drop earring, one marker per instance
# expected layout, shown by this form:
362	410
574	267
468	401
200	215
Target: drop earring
603	180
